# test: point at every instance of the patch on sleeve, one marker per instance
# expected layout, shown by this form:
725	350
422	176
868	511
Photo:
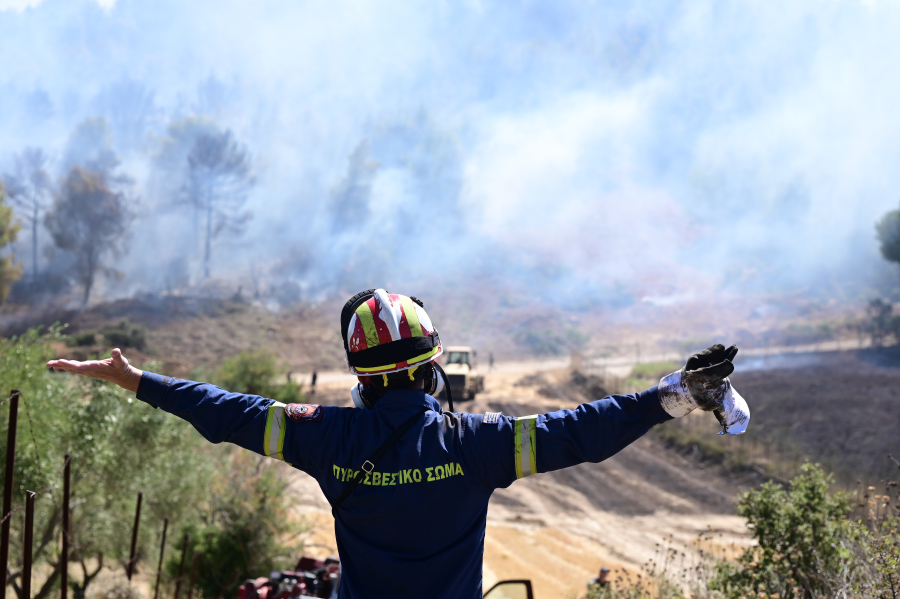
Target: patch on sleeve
303	412
492	417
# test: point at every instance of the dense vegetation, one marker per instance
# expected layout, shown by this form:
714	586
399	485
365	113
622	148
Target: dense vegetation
232	503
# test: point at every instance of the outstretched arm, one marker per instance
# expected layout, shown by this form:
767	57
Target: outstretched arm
503	449
215	413
114	369
249	421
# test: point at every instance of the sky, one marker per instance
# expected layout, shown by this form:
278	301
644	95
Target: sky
590	153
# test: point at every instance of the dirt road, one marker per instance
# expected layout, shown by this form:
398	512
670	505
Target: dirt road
558	528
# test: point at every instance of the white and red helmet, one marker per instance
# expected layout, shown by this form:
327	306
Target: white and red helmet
386	332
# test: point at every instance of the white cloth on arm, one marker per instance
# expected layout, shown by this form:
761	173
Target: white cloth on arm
677	401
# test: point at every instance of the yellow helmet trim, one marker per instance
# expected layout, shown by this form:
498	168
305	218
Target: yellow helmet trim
367	319
412	318
392	367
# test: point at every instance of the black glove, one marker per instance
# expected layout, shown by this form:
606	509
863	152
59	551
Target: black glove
705	375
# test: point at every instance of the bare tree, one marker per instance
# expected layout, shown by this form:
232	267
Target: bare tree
29	188
89	220
219	178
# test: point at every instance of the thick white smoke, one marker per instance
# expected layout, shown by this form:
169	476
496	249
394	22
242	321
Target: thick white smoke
598	153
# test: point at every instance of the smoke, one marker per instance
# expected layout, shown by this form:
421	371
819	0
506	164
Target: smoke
593	154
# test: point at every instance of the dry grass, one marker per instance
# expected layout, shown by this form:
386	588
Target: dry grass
185	335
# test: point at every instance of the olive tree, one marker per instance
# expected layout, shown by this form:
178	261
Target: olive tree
90	220
235	505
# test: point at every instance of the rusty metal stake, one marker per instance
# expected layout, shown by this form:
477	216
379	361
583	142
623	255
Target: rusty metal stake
134	536
8	485
29	541
162	549
193	575
181	565
64	554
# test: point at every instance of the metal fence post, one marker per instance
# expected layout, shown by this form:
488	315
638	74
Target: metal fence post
29	541
8	484
64	554
162	549
134	536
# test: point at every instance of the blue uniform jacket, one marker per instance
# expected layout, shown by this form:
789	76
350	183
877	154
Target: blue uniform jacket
415	527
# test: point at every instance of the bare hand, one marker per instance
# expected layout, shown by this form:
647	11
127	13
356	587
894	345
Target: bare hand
115	369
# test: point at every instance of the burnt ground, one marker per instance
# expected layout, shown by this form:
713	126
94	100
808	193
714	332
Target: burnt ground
839	409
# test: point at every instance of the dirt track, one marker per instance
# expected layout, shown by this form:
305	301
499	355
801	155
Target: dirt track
558	528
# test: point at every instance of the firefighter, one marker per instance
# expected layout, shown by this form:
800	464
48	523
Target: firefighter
600	582
409	483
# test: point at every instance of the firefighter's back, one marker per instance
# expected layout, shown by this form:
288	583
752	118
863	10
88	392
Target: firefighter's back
415	526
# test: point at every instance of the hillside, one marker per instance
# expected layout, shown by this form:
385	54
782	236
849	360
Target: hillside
187	334
841	408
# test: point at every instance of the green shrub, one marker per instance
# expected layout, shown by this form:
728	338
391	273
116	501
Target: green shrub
252	371
246	529
800	535
875	571
646	375
654	370
119	446
256	372
125	334
82	339
290	392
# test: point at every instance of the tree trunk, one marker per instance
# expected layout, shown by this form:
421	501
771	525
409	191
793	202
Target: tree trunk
34	245
89	277
49	584
78	590
209	212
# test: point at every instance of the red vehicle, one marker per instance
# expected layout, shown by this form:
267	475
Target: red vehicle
317	578
310	578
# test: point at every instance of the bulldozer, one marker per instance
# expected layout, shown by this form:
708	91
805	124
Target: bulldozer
461	366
